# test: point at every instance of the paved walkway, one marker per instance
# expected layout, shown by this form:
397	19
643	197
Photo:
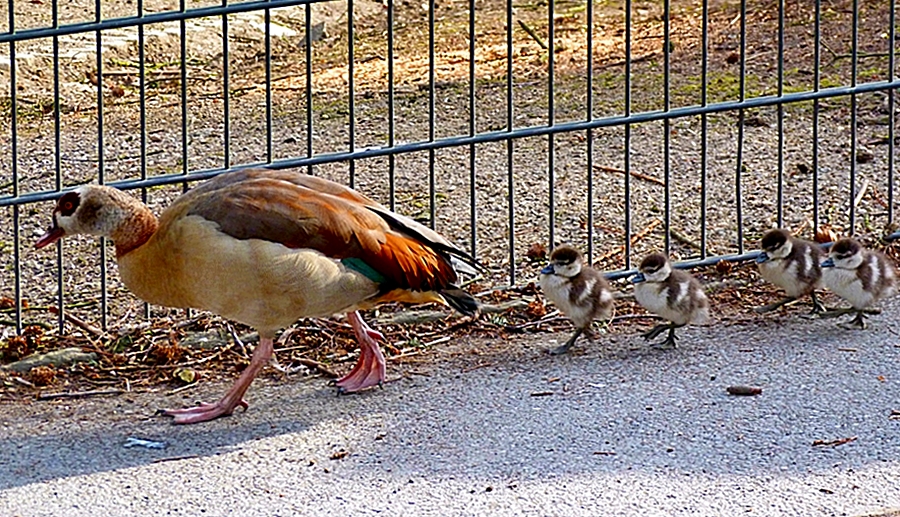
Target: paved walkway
616	429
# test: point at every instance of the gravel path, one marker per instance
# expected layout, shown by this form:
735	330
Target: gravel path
500	428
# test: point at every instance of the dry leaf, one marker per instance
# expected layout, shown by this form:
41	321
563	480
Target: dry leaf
536	252
723	267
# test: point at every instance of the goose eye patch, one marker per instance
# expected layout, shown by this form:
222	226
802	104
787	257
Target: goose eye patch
68	203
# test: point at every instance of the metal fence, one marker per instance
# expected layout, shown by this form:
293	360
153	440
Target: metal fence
521	114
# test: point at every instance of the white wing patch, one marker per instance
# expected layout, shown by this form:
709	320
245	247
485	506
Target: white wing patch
875	268
586	292
605	296
807	261
681	293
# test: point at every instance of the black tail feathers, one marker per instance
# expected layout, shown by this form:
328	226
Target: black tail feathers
461	300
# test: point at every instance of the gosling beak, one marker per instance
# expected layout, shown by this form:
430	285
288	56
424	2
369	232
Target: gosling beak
548	270
829	262
638	278
762	257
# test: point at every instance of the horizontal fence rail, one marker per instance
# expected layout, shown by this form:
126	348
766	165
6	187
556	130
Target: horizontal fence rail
494	136
507	130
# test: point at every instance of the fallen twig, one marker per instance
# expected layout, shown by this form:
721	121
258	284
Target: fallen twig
50	308
176	458
622	62
183	388
835	443
859	55
634	239
396	358
316	365
131	368
551	317
516	303
637	175
684	239
533	34
23	382
862	192
79	394
78	322
438	341
625	317
476	367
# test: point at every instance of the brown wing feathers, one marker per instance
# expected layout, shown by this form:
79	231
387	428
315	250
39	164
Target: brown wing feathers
307	212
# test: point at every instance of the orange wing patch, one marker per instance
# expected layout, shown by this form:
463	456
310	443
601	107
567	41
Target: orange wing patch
409	263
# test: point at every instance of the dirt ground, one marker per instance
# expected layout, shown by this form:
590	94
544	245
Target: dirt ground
127	347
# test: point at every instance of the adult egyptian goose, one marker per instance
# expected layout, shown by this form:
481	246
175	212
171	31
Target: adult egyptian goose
671	293
860	276
265	248
578	290
792	264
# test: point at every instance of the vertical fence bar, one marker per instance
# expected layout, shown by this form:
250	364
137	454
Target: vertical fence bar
268	45
101	166
589	115
142	91
551	173
510	179
351	90
226	90
184	99
892	38
817	58
704	127
667	42
473	219
184	108
740	135
780	111
57	166
14	166
854	49
392	161
627	134
308	92
432	201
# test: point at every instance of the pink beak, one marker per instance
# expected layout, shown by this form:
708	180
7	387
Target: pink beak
53	234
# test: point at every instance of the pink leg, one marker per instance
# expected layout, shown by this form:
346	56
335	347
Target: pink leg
234	397
370	367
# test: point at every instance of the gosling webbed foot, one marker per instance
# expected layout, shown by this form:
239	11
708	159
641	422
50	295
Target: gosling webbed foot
671	338
655	331
857	323
562	349
817	310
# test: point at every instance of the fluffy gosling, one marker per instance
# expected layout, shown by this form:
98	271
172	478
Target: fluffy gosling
578	290
860	276
792	264
671	293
